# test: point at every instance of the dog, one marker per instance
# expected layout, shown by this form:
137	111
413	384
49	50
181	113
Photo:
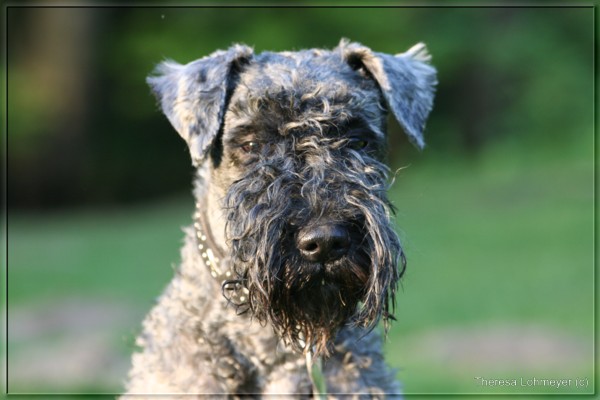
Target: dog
292	260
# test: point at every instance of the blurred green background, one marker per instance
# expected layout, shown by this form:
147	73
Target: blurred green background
496	215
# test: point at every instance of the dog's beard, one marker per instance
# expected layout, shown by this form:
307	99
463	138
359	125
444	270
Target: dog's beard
306	302
309	302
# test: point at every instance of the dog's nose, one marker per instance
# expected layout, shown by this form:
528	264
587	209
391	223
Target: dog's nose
323	243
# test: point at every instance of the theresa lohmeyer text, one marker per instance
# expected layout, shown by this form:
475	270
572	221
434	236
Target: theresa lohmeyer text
533	382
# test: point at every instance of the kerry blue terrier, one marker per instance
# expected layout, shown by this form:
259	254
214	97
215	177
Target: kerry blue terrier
292	259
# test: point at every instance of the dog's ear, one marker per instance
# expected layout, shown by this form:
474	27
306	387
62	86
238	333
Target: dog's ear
193	96
407	82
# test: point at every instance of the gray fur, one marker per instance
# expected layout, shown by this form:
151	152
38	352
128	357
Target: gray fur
406	80
287	146
192	96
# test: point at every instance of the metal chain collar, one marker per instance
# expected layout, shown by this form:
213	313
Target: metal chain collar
216	260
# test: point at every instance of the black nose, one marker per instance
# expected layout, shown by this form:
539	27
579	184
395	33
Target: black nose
323	243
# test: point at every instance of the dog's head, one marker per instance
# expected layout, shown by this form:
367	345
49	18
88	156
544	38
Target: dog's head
295	142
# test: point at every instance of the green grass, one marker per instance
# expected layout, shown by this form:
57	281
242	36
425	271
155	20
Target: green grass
503	240
127	253
509	236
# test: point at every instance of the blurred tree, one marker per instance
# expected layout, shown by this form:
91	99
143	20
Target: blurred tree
48	108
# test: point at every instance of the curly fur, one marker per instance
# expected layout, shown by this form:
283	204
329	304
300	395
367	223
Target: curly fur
303	300
283	143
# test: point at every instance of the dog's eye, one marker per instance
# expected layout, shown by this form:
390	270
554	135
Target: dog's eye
250	147
357	144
